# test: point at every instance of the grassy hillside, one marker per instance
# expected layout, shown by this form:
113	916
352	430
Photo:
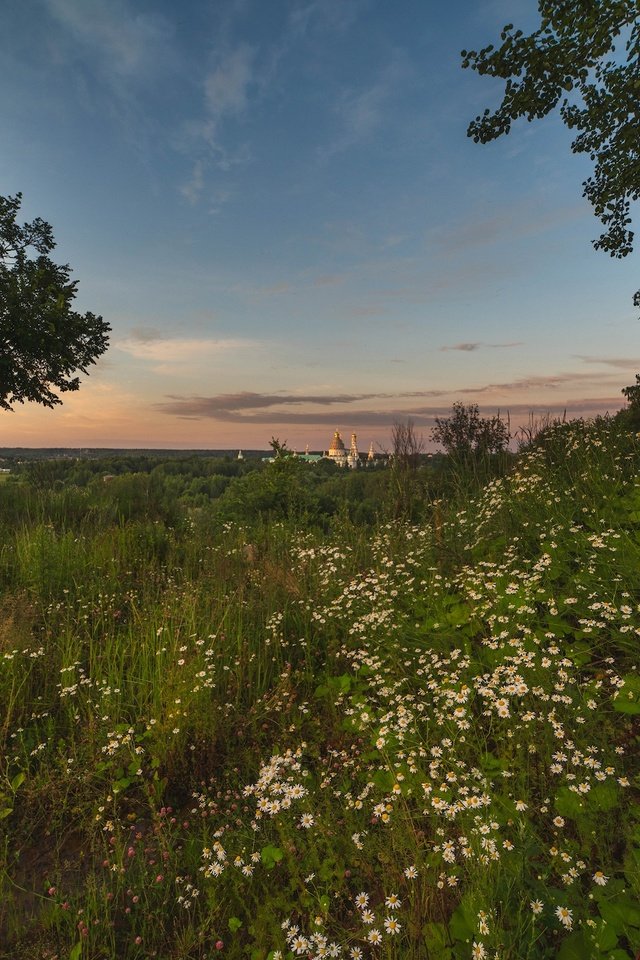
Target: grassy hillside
269	740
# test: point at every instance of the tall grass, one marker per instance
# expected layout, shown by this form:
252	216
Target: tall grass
265	741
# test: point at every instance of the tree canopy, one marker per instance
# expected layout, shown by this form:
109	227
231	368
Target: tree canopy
466	435
584	57
44	343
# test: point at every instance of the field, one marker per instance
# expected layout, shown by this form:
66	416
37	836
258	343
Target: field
409	735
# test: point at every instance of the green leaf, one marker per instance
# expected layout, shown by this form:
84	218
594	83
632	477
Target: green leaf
76	952
234	924
604	796
383	779
490	763
5	812
462	923
17	781
621	913
575	947
628	699
626	705
271	855
119	785
436	940
568	803
604	936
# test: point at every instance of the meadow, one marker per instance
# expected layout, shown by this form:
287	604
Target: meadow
411	732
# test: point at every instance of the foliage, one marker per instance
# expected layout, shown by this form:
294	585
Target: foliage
406	446
632	394
585	56
43	341
630	415
466	435
406	450
280	448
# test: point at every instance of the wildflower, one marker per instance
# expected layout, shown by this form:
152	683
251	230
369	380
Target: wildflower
374	936
478	951
521	806
391	925
565	917
299	944
411	873
600	878
362	900
368	916
393	901
355	953
306	820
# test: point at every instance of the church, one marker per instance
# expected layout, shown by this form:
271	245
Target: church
340	456
337	452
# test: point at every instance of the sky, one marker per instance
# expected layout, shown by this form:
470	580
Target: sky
275	205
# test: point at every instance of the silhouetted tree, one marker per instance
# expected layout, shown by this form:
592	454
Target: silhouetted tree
574	59
43	342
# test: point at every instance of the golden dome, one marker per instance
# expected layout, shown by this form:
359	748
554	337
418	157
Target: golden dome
336	443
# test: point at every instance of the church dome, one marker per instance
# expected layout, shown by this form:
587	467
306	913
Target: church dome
337	443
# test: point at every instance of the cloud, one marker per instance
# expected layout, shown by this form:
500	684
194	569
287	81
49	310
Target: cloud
192	189
171	350
226	89
621	363
361	112
226	86
544	381
246	408
128	42
144	334
516	221
478	344
379	408
334	15
120	58
229	403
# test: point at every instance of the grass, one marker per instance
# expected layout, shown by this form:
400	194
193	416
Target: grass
417	741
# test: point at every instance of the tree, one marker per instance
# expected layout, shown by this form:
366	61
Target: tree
43	342
631	415
572	59
407	448
632	394
280	448
466	435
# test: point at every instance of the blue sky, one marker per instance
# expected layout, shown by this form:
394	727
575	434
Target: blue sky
277	208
